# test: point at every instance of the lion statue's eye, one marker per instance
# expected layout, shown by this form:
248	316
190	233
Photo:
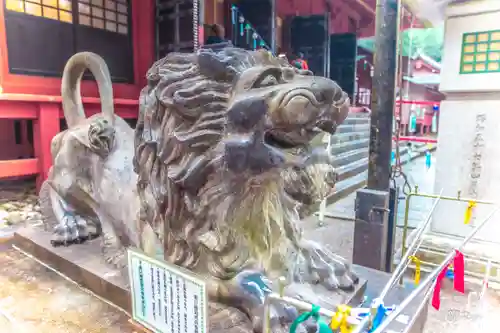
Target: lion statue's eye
269	80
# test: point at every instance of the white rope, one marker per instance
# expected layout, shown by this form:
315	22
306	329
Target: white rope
322	206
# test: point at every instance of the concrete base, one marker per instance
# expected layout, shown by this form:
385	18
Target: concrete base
82	263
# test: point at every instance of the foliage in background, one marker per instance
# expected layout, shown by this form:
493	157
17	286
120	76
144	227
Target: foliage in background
427	41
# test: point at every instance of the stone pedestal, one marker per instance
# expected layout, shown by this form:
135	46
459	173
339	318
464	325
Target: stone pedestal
468	154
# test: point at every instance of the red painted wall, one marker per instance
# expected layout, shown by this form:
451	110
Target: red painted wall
10	149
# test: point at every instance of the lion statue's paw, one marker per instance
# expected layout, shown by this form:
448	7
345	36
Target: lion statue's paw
327	268
72	228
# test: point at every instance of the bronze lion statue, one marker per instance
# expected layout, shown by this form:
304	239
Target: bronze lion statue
215	178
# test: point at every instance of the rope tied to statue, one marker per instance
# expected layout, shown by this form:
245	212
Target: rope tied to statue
339	320
417	263
468	212
314	314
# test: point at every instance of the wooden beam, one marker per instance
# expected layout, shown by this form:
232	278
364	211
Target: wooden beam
366	6
17	168
17	110
58	99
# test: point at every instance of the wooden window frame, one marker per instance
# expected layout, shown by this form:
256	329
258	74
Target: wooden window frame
92	7
73	30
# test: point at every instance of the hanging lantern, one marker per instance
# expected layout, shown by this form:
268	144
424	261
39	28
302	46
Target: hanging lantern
255	36
428	159
247	32
242	21
434	123
233	14
412	124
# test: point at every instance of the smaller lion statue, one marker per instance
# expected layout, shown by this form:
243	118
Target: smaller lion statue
215	178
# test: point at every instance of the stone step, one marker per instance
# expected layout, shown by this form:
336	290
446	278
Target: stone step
355	161
347	186
347	128
354	155
340	148
356	120
350	136
349	157
358	115
352	169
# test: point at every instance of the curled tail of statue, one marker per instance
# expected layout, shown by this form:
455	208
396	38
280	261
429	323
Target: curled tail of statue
71	82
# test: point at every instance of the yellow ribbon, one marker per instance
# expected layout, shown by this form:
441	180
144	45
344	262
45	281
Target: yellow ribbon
339	320
417	268
468	211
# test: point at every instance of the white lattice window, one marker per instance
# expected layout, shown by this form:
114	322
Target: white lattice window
111	15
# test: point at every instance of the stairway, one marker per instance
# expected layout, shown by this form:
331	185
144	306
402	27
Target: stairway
349	147
258	12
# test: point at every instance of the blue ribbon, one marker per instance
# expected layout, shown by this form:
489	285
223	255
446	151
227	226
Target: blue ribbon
449	273
379	317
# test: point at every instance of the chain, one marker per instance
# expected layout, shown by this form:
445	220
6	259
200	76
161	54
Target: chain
397	168
195	25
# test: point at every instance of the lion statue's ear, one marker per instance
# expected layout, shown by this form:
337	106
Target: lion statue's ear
101	136
98	136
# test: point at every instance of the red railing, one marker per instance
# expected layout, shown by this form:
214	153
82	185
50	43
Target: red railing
416	139
46	112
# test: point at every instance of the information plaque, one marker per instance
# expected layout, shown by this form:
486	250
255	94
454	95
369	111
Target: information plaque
166	298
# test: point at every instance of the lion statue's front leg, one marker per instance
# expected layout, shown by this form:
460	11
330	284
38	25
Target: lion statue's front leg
64	221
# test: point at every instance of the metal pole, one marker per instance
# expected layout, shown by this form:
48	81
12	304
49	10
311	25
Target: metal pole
326	60
273	27
384	78
422	305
